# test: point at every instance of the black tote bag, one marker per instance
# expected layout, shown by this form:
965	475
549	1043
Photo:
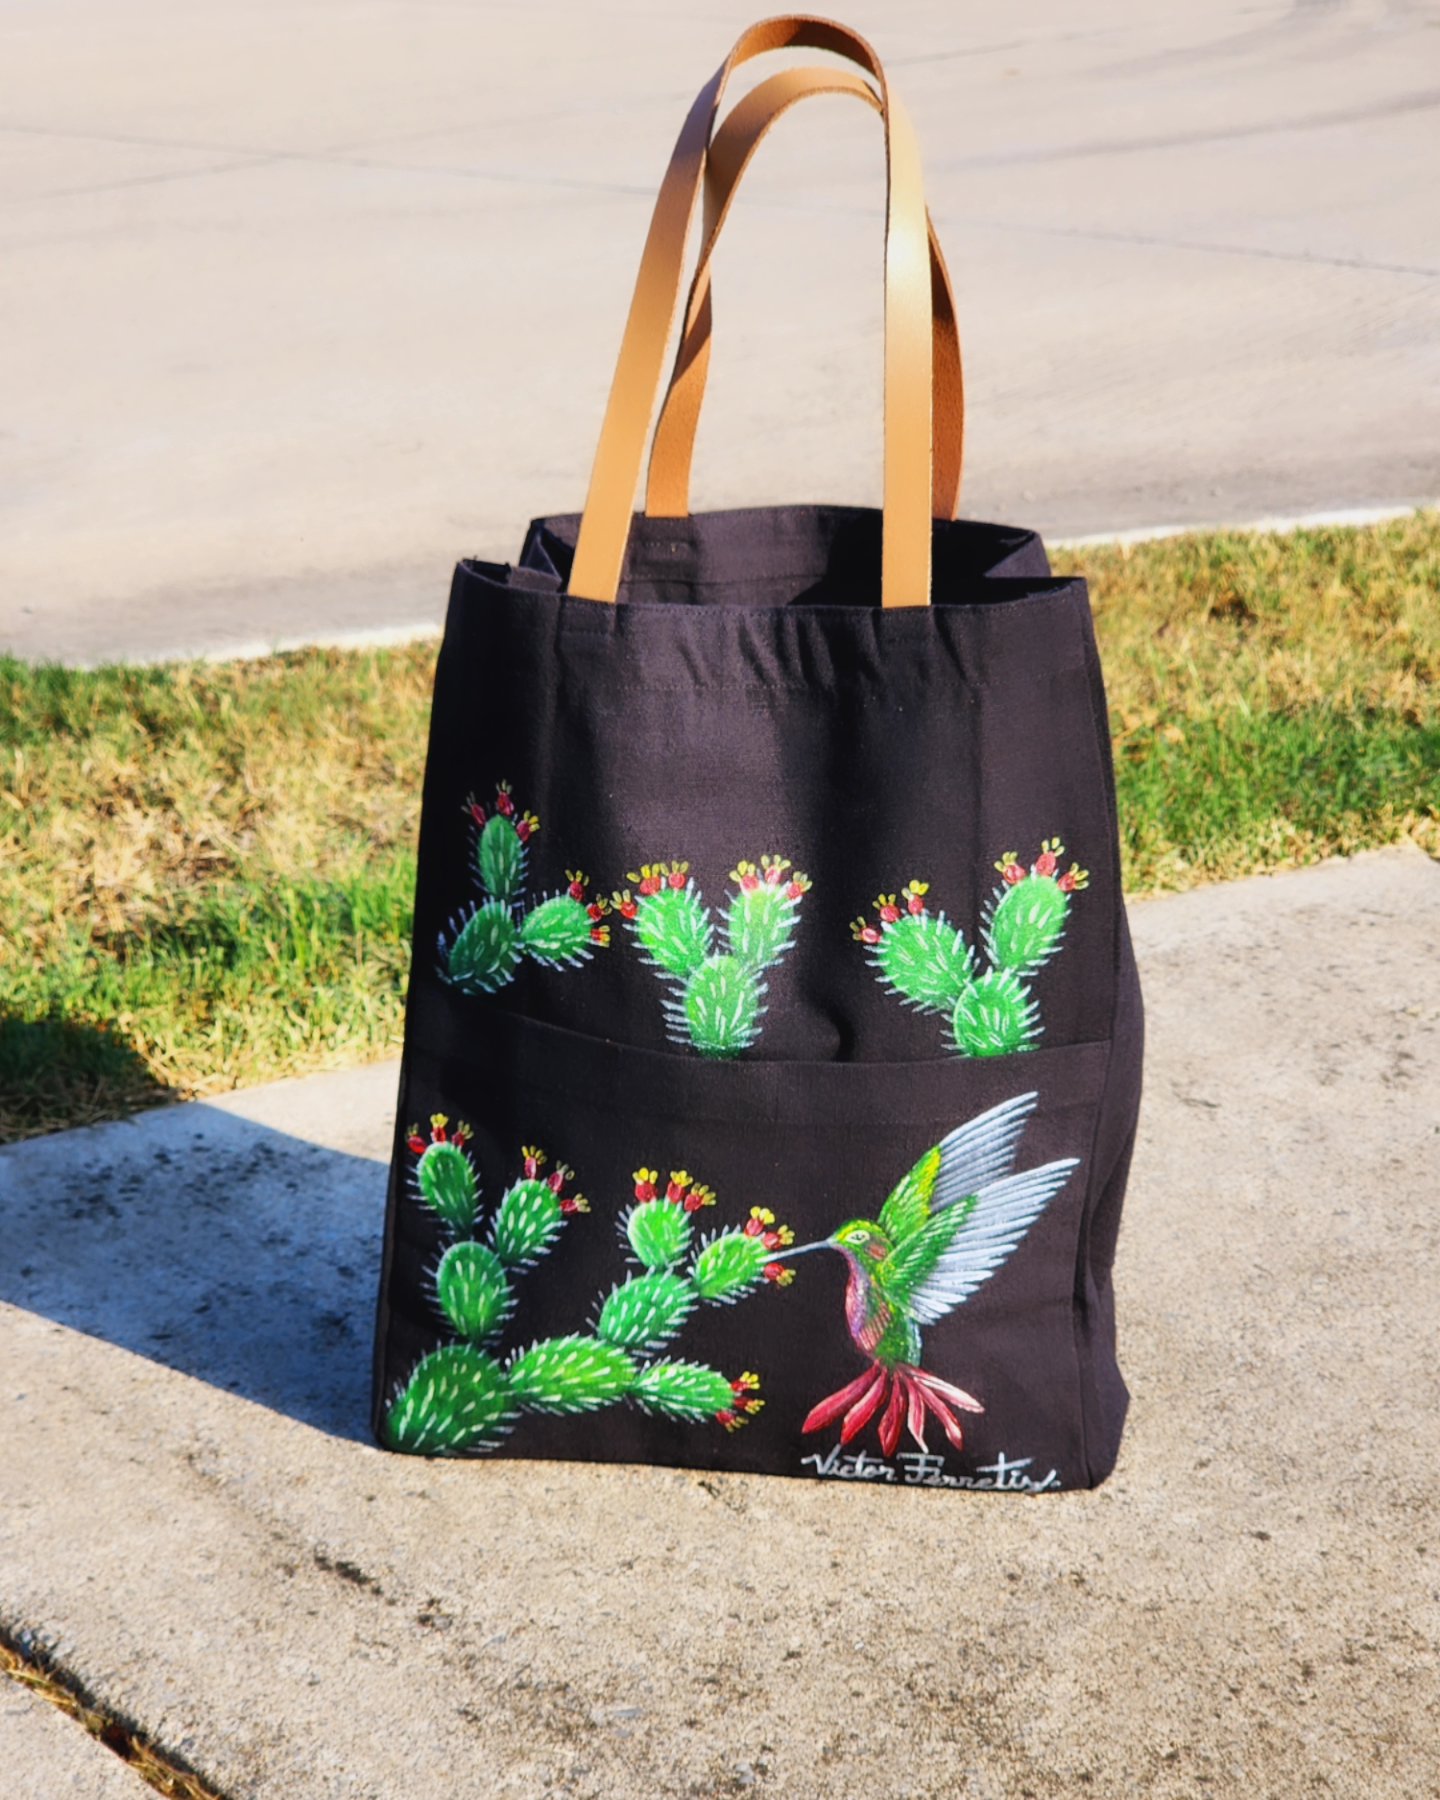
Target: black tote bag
772	1050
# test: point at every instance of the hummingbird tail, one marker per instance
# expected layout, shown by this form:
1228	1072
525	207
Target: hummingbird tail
907	1395
848	1401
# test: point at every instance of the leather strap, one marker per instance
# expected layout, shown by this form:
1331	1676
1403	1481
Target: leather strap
604	528
667	494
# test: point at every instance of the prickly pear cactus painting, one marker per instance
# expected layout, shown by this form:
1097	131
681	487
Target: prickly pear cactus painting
483	946
714	970
924	959
468	1395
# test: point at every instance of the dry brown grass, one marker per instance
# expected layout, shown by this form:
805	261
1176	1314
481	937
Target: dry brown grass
163	1773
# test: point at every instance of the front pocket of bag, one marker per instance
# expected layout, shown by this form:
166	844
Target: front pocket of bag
764	1151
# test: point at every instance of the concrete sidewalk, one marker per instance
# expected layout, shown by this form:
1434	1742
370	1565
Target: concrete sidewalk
192	1516
47	1756
298	305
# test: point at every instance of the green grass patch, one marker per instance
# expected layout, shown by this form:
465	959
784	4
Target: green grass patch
207	875
1273	699
207	869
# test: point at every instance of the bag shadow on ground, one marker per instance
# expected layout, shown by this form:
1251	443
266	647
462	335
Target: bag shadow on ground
57	1072
235	1253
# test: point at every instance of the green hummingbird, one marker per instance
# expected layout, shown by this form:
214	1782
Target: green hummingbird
945	1227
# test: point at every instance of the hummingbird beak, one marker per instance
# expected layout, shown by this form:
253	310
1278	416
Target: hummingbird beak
798	1250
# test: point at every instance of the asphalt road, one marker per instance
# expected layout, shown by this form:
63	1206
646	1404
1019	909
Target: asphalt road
299	302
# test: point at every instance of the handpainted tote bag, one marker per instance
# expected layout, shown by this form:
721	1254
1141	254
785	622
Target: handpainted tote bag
772	1052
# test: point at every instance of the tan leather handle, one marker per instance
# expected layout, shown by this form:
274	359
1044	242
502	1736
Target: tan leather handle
667	493
905	555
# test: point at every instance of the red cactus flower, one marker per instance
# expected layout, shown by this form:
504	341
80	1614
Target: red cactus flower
1073	880
600	934
889	911
1011	868
797	885
1044	864
576	878
526	826
574	1203
534	1160
676	873
747	875
645	1180
864	932
774	868
624	902
675	1188
439	1134
915	892
475	809
558	1176
779	1274
650	880
746	1402
698	1196
504	805
760	1219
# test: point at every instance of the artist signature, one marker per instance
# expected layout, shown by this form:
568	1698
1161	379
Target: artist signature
919	1468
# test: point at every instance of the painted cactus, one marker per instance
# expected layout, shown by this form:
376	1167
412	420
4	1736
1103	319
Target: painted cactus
714	969
989	1005
484	945
467	1396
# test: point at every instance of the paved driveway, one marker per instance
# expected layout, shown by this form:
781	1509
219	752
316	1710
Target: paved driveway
299	302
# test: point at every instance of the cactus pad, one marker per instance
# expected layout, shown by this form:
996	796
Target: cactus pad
445	1177
720	1006
1026	924
557	931
995	1016
570	1374
485	951
646	1311
527	1222
674	928
728	1265
926	961
658	1233
683	1390
760	924
456	1399
500	857
473	1291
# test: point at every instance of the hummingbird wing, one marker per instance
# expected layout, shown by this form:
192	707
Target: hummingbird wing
956	1168
941	1266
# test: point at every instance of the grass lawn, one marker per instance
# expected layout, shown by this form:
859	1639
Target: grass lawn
207	869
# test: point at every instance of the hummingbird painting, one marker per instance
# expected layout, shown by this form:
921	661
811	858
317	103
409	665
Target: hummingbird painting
944	1229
